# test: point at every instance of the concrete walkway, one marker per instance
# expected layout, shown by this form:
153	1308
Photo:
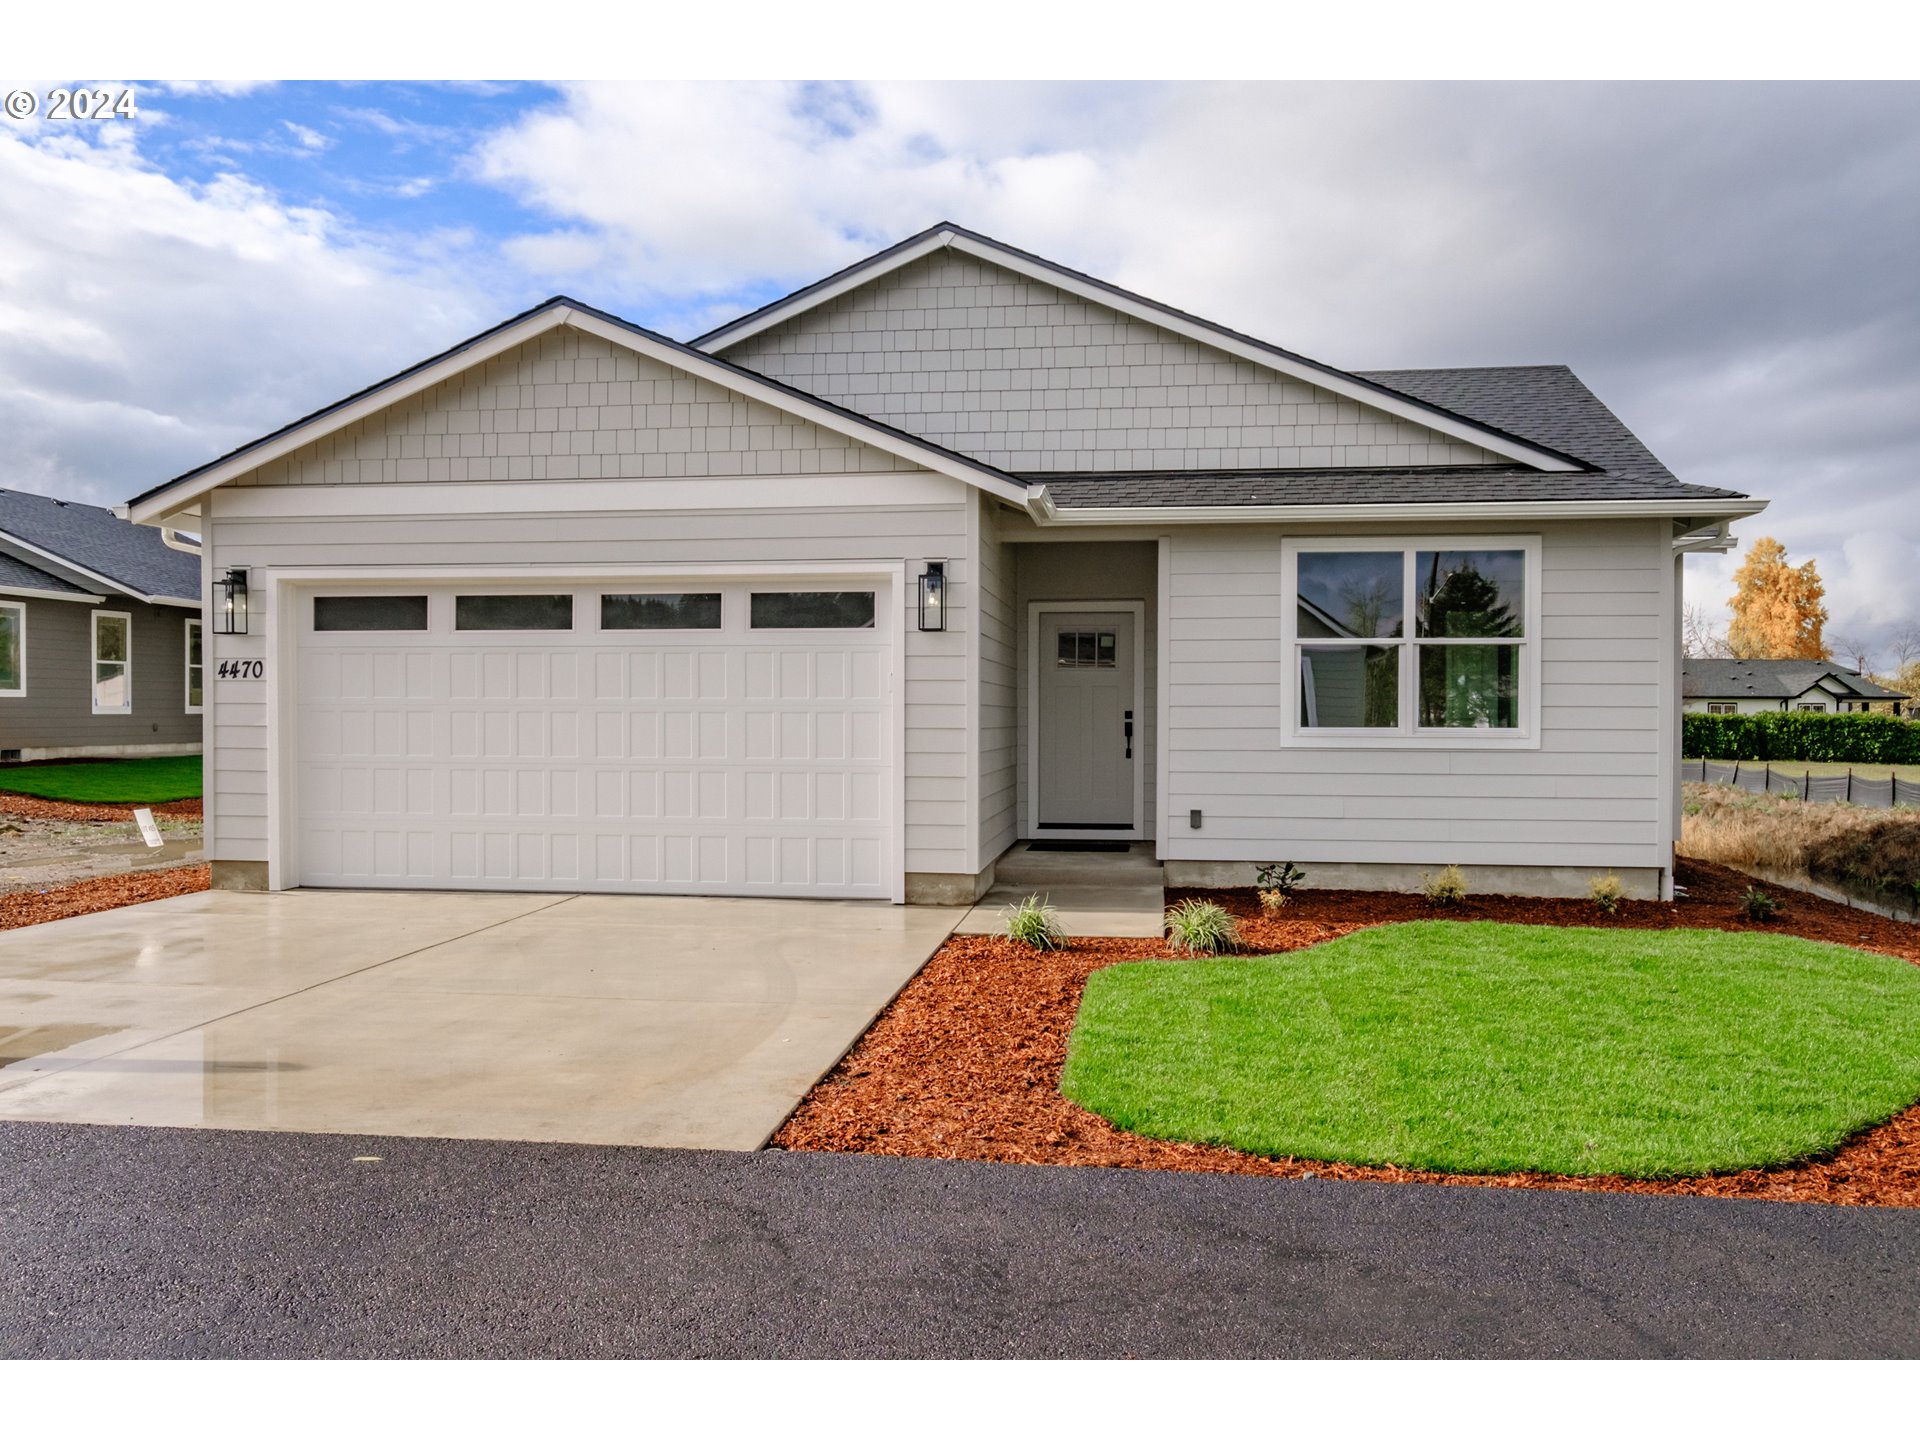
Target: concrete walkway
602	1019
1097	894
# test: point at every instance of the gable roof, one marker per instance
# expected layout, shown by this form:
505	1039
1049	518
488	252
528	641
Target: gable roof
95	548
174	494
1346	383
1771	680
1546	402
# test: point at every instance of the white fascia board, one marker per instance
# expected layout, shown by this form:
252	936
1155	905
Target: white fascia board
727	337
1326	377
31	594
167	505
1044	512
742	383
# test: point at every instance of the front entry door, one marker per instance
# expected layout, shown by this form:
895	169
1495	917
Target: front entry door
1090	734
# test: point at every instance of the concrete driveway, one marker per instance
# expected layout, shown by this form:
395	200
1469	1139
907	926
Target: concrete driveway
602	1019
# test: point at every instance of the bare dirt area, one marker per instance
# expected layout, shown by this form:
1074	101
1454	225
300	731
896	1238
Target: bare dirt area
48	844
965	1064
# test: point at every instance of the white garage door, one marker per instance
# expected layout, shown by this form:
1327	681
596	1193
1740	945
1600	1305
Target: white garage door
717	739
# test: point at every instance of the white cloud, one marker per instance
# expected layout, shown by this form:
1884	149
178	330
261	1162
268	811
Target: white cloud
309	139
161	322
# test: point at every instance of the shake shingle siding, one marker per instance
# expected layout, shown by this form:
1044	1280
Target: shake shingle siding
1023	376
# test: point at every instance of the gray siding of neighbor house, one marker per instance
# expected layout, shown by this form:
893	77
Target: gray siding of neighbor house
1593	795
1090	570
1026	377
569	406
57	710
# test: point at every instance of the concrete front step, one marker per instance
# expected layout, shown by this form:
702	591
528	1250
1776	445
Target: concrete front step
1023	866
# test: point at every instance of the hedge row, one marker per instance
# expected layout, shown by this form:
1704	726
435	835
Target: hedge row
1801	735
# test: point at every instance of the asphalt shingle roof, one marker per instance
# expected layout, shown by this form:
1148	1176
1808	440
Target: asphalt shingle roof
17	574
132	556
1546	404
1770	680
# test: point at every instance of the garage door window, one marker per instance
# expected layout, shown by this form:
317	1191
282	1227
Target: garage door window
660	612
513	612
813	610
369	612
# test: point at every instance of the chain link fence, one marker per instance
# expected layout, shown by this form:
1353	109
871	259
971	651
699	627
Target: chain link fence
1759	777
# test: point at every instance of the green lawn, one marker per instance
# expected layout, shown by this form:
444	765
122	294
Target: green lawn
1488	1048
141	782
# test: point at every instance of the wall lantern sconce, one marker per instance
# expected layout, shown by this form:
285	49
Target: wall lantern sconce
230	603
933	596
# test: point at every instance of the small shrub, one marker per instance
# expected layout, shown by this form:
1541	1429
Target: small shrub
1035	923
1276	883
1758	905
1200	927
1447	887
1606	892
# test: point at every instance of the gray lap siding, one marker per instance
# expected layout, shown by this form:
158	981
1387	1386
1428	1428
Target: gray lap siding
57	710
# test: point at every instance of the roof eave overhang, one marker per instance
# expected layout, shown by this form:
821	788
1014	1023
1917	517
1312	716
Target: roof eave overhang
75	573
164	503
1045	511
27	592
1327	377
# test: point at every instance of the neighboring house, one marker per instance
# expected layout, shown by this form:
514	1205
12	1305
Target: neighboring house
956	546
100	646
1747	687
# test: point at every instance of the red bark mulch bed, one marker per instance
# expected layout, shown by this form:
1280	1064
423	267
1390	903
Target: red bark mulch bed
105	892
965	1064
34	808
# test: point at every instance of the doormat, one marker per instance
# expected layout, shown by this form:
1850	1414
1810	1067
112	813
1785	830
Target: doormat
1081	847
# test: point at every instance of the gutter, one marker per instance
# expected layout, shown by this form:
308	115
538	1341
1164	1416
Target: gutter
1043	509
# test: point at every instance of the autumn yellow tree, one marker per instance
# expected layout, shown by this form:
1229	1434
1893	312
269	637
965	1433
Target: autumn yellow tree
1777	609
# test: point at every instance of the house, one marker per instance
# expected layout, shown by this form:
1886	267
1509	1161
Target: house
955	547
100	645
1748	687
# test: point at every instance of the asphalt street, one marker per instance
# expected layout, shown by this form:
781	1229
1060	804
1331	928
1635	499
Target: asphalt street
150	1242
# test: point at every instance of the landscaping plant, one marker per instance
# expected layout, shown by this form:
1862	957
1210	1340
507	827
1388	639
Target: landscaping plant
1606	892
1200	927
1447	887
1276	884
1035	923
1758	905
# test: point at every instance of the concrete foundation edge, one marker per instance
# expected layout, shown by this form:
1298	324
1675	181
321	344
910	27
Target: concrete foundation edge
1553	881
933	888
237	874
102	752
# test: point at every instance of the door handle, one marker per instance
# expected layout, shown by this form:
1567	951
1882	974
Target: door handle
1129	729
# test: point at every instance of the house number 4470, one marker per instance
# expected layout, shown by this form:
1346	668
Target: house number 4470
242	670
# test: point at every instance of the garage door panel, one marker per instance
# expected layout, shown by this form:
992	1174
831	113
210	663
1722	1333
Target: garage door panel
729	763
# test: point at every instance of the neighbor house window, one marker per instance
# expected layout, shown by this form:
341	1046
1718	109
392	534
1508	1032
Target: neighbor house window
1815	706
196	670
13	649
112	663
1722	709
811	610
1411	640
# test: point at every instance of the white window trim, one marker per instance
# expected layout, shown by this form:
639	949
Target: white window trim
1408	736
20	629
93	668
187	667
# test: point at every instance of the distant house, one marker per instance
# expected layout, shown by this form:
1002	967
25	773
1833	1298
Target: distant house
1748	687
100	644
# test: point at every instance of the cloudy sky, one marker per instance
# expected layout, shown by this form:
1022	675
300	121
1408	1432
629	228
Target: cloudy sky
1730	266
